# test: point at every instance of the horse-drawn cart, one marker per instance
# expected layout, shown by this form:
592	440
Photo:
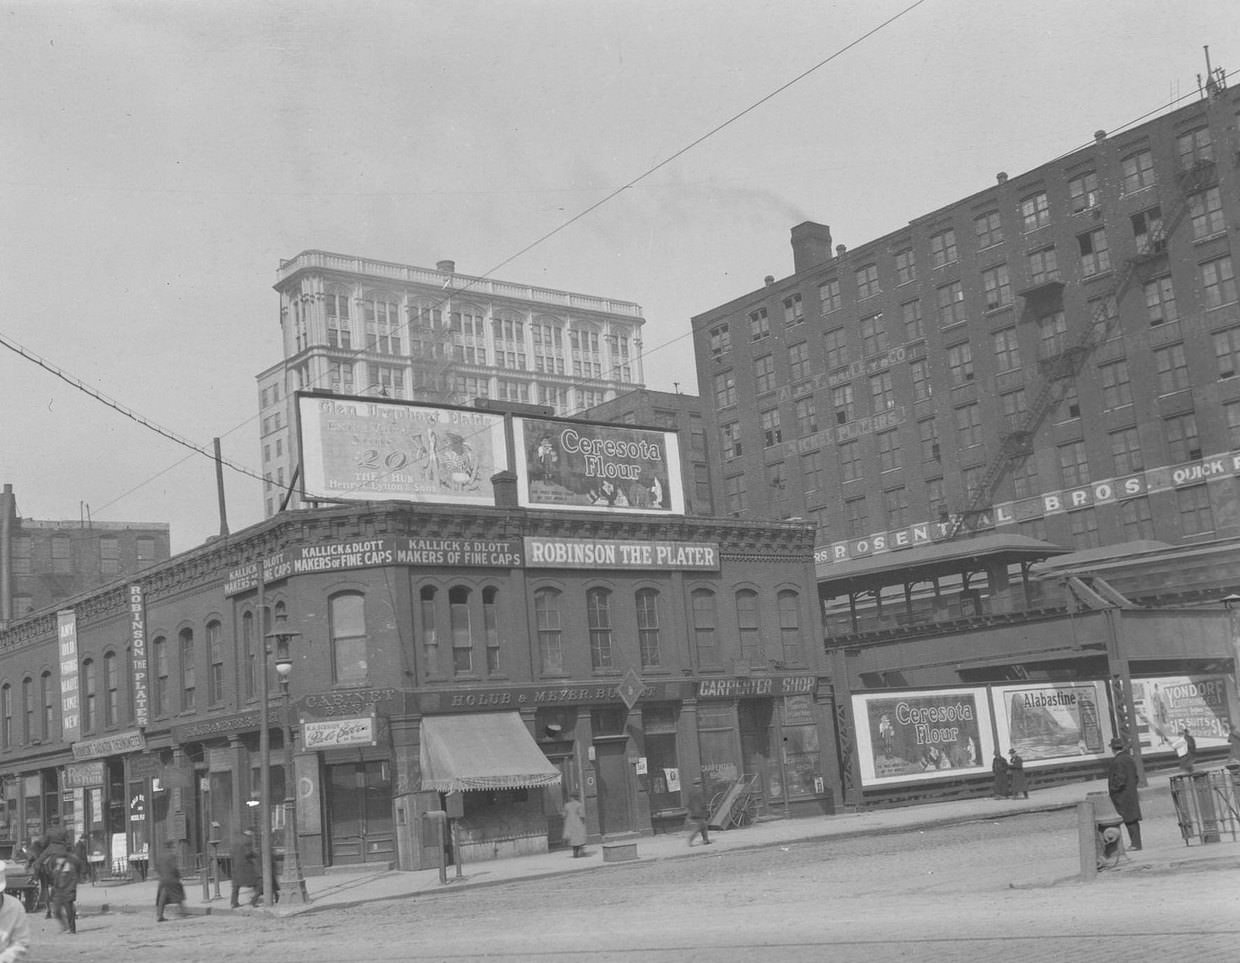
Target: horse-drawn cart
19	882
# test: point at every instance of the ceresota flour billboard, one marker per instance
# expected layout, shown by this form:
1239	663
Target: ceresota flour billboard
910	736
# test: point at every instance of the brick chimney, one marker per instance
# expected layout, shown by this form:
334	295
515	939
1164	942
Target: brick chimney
811	245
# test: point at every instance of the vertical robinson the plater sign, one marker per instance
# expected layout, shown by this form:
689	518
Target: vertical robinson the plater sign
66	631
137	639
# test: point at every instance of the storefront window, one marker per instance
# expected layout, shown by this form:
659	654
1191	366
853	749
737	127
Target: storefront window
717	745
662	768
32	790
802	756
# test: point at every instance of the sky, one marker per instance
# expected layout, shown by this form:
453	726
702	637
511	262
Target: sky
158	159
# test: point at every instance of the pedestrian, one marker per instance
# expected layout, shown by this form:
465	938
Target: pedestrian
245	870
65	872
575	825
1122	788
698	815
1016	767
1000	769
14	927
1186	750
170	888
82	851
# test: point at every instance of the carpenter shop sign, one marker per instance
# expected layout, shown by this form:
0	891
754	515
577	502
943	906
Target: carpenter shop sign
515	697
117	745
620	553
375	552
750	687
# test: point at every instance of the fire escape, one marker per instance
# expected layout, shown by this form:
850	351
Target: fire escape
1061	369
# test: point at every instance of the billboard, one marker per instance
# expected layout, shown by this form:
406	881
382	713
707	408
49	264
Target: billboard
913	736
1051	723
1166	704
596	467
375	450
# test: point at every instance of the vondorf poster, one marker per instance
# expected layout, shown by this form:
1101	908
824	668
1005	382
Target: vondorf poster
1053	722
1166	705
909	736
595	467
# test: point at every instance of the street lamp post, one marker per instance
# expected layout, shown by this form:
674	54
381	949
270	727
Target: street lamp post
292	881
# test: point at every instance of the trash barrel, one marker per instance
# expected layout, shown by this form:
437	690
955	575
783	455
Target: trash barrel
1197	797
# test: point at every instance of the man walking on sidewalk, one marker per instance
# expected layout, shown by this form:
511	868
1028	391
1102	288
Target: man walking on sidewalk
1122	788
698	814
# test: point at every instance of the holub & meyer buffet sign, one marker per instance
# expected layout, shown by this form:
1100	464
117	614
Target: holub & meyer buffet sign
334	733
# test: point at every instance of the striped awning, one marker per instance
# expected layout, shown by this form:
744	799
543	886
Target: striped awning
489	750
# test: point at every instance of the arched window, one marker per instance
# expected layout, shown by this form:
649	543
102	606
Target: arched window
188	681
28	729
462	632
215	652
89	696
704	624
648	627
747	624
6	716
598	614
790	626
490	625
111	690
159	676
248	678
47	694
550	637
348	631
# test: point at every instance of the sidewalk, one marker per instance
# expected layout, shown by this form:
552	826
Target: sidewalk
1164	851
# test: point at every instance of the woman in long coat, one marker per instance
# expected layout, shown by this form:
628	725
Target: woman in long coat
1016	767
1000	769
575	825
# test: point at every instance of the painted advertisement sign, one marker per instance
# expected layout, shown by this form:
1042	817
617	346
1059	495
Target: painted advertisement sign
375	552
70	705
592	467
619	553
1166	704
137	642
369	450
911	736
1053	723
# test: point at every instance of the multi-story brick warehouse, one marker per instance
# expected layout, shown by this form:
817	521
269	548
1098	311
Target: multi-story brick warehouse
1055	355
360	326
43	562
615	652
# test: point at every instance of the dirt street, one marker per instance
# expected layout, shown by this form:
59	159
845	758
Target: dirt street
978	892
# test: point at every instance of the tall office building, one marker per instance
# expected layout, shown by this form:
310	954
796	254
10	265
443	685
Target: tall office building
358	326
1056	356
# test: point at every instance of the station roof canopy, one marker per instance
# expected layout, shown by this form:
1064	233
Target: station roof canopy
486	750
931	560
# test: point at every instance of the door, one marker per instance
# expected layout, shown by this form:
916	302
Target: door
614	812
755	718
359	813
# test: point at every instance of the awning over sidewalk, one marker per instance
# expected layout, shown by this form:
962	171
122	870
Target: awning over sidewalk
490	750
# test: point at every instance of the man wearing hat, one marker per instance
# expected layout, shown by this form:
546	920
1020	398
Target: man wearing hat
1122	788
698	816
14	928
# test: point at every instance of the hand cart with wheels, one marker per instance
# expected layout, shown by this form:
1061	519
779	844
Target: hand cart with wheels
736	805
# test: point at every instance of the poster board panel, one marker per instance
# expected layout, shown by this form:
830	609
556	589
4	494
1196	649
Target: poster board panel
910	736
595	467
1166	704
1051	723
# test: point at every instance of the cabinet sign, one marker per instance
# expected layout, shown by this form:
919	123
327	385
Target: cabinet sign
334	733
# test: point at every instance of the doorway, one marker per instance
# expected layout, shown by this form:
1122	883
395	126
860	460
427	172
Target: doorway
615	815
359	813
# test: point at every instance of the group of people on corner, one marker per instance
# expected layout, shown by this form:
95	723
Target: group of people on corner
574	831
1010	779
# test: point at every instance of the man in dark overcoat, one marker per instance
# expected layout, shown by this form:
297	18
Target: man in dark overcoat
245	869
1122	788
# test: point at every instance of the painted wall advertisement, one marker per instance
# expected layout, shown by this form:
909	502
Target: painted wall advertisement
910	736
591	467
1052	723
1166	704
70	708
370	450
